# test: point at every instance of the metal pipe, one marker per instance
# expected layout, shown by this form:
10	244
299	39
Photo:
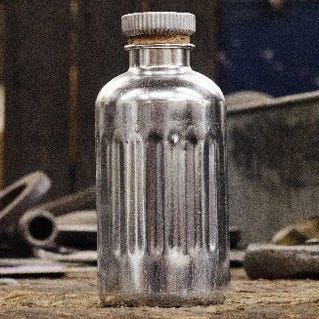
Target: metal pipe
37	228
17	198
82	200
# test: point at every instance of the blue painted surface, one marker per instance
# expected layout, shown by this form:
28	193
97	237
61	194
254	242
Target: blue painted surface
275	52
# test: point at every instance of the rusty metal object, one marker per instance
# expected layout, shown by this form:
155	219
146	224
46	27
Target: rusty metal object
24	228
37	228
82	200
282	262
277	4
299	233
16	199
46	216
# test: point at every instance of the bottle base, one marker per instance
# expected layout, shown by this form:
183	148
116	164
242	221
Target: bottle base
158	300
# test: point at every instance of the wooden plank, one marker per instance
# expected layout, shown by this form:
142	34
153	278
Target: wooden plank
101	57
2	93
37	90
75	297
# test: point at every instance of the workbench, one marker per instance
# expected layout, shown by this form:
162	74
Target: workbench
74	296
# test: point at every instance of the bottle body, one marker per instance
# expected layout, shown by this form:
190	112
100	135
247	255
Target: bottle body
161	189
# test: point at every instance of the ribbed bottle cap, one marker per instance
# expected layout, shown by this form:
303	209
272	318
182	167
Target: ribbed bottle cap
160	23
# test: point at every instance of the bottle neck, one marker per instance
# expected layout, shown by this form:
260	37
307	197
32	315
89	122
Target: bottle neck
157	56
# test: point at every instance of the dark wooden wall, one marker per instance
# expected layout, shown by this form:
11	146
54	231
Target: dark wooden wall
59	54
37	90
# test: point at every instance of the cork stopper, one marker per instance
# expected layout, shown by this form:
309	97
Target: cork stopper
159	39
158	27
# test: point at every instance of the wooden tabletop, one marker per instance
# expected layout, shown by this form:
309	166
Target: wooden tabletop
75	296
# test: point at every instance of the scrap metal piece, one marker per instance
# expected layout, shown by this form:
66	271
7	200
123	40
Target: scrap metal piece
13	262
27	263
298	233
33	271
247	98
30	267
277	4
37	228
81	218
17	198
282	262
81	200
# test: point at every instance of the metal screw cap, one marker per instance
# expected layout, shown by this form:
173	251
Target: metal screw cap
160	23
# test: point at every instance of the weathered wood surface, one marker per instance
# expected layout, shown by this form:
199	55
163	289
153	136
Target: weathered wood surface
37	91
75	297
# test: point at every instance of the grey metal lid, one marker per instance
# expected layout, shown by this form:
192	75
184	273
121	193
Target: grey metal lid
161	23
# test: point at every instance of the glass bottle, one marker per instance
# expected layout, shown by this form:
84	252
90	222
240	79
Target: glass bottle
161	173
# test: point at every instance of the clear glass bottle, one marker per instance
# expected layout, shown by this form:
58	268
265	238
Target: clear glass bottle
161	173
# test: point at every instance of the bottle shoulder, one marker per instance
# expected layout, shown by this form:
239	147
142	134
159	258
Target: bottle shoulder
206	84
131	86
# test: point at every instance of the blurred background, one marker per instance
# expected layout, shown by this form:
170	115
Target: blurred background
55	56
